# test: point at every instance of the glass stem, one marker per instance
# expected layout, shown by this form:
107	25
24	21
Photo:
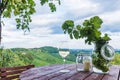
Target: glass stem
64	62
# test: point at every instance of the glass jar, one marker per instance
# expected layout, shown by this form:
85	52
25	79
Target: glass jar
101	57
83	62
87	63
79	62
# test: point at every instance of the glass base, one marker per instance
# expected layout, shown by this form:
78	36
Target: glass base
65	70
99	71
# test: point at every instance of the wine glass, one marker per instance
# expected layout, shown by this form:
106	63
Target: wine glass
64	52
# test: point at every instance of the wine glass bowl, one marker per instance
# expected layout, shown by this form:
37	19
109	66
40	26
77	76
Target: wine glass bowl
63	53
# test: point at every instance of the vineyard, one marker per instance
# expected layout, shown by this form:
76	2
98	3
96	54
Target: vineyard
38	57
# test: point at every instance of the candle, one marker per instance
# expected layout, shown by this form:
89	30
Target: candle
86	65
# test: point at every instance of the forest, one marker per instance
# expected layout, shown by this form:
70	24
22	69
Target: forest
40	56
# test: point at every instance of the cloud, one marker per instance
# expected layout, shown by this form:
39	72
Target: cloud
111	21
49	40
111	18
46	26
79	8
39	31
45	19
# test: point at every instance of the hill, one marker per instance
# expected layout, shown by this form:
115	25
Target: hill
40	56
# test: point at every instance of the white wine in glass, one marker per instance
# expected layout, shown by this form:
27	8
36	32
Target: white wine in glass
64	52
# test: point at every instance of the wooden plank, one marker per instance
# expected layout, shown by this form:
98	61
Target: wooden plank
64	75
41	71
16	68
54	74
12	72
113	74
37	70
11	77
95	76
80	76
49	76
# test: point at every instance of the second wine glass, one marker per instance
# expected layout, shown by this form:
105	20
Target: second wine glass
64	52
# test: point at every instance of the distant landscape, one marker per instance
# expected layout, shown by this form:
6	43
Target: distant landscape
42	56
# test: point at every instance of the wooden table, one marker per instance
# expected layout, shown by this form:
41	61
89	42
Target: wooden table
52	72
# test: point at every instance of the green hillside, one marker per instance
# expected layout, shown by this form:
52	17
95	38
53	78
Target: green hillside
38	56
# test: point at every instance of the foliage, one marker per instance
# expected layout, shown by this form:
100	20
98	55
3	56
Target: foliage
116	60
5	58
90	31
22	9
8	58
49	49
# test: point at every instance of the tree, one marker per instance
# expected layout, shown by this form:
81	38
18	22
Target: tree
22	9
6	57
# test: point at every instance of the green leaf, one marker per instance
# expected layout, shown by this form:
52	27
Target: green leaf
76	34
43	2
18	20
17	1
71	36
106	38
52	7
18	26
96	21
64	26
24	1
86	23
69	31
59	2
6	14
78	27
68	24
32	10
16	12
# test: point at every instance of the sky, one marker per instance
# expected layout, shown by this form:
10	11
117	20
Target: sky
45	28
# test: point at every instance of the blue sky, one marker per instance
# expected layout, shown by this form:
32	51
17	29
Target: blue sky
46	26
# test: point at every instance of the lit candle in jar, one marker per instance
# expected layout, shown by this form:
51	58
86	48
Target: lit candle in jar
86	65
